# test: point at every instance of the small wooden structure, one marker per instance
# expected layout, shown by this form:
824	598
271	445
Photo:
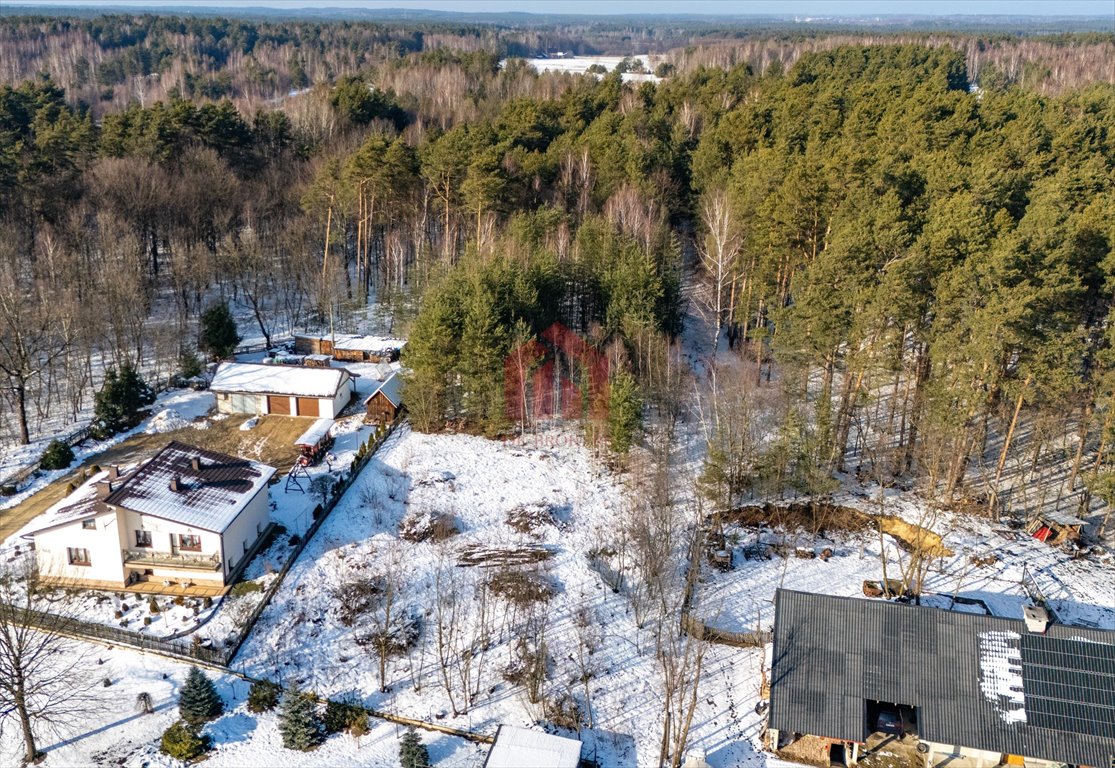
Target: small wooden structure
350	348
316	361
1055	528
384	404
315	442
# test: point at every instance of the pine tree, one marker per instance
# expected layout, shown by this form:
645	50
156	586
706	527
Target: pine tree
218	331
299	722
412	752
199	700
625	412
119	404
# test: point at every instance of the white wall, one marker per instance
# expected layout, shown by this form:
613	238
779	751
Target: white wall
247	527
956	756
330	408
103	543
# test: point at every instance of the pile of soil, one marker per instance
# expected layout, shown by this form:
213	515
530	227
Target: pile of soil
811	515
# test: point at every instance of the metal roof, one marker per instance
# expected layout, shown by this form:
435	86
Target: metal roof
319	429
392	389
294	380
982	682
517	747
84	501
208	498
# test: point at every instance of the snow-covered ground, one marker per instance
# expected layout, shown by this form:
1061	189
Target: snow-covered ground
1080	591
173	409
114	732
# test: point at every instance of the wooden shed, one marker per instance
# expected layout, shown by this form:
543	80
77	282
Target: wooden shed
385	402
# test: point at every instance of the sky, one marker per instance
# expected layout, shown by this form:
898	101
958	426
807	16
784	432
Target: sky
647	7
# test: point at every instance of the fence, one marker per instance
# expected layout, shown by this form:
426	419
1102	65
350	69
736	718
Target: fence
19	476
194	651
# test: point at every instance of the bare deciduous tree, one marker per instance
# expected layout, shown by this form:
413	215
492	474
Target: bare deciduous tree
44	678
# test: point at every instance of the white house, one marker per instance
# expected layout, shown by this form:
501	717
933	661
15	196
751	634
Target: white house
517	747
285	390
184	516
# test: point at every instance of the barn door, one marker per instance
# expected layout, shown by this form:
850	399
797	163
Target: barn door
308	406
278	405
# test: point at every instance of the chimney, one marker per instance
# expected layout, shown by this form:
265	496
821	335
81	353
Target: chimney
195	463
175	484
104	489
114	472
1037	618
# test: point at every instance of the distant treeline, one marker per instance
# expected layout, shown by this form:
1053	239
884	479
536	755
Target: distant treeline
107	62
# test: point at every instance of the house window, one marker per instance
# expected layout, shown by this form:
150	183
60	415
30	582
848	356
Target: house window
77	555
189	542
89	525
143	538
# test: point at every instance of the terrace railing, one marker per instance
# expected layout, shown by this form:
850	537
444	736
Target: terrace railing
169	559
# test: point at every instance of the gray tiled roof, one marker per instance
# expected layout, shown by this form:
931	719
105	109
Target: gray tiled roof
832	654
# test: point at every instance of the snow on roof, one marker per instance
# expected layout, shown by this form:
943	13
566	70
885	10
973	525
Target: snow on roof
83	502
313	435
278	380
1000	673
209	496
373	344
392	389
519	747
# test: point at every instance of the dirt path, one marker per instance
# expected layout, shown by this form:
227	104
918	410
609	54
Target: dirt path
270	441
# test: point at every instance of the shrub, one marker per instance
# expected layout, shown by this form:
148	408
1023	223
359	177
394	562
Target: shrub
242	588
183	741
299	723
207	602
412	752
343	716
146	621
120	403
117	614
199	700
153	605
263	696
179	600
58	455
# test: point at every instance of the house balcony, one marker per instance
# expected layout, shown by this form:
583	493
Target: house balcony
147	558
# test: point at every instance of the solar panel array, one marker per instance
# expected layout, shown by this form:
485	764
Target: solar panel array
1069	685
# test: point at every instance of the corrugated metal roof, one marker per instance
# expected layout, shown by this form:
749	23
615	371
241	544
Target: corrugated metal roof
293	380
209	497
834	654
523	748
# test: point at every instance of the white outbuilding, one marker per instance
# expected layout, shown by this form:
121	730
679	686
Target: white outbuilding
284	390
517	747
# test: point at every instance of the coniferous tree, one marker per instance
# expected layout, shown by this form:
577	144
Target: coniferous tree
299	722
218	331
119	404
412	752
625	412
199	701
